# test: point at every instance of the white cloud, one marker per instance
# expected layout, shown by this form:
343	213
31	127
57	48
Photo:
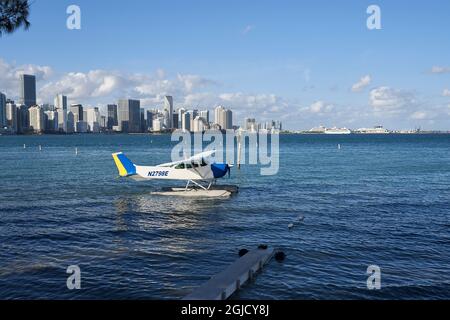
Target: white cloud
9	76
440	70
391	100
362	83
446	93
248	29
320	107
419	115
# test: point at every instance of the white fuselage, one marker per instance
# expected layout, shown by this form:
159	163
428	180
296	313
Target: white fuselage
173	173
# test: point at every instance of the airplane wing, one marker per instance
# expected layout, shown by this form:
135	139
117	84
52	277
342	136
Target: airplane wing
195	158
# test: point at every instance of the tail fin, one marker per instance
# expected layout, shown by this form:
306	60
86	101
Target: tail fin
124	165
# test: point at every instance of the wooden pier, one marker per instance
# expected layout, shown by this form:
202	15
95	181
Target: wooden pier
227	282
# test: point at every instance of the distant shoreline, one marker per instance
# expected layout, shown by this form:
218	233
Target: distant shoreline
281	133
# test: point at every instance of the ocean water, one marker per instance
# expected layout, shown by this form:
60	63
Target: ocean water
380	200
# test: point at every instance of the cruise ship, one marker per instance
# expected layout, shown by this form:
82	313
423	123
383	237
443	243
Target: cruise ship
337	131
374	130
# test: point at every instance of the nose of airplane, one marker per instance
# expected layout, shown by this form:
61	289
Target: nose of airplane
219	169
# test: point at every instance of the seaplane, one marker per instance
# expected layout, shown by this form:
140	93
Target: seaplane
198	171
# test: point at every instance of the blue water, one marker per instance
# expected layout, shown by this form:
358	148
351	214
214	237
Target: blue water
380	200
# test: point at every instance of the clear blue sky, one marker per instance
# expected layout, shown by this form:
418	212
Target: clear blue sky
302	52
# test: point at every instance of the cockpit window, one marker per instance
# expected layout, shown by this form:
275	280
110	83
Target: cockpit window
179	166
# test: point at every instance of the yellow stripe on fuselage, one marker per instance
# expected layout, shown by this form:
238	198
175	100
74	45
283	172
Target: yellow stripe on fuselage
119	165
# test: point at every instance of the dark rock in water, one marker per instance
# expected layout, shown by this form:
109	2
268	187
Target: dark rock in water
280	256
242	252
262	246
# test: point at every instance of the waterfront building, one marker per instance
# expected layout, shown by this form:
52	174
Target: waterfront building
27	90
199	125
181	111
157	125
51	121
37	120
77	110
11	116
149	119
175	120
71	123
61	108
186	121
93	120
112	116
128	112
23	118
2	110
168	106
223	117
205	115
81	127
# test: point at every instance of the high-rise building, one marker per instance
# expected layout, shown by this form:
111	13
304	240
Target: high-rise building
51	121
23	118
93	120
157	124
61	108
2	110
166	119
149	119
200	124
186	121
77	110
228	119
112	116
27	89
129	117
11	116
205	115
220	117
194	114
175	120
168	105
143	124
37	120
181	111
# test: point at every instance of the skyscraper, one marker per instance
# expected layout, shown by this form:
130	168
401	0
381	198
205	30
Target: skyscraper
228	119
61	108
129	115
149	119
93	119
205	115
2	110
37	121
186	121
27	90
181	111
77	110
168	105
11	116
112	116
220	117
223	117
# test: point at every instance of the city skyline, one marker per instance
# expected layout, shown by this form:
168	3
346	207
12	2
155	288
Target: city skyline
126	116
318	65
